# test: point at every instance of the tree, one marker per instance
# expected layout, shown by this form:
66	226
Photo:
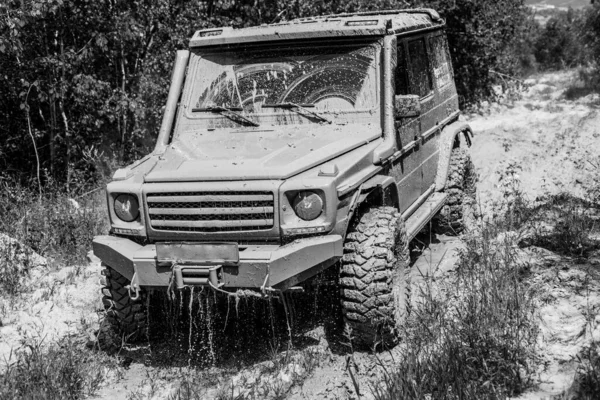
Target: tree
90	78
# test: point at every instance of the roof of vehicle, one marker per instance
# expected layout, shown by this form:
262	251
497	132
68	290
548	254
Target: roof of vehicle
377	23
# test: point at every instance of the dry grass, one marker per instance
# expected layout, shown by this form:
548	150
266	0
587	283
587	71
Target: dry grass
55	226
58	371
473	337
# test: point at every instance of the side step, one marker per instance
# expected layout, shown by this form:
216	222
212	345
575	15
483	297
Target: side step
424	213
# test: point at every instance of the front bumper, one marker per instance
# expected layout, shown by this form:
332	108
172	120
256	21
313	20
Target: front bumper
259	266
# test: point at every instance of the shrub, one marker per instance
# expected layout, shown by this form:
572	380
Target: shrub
591	32
564	223
52	224
474	338
61	371
559	44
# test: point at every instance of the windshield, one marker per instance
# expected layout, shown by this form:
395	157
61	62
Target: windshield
276	86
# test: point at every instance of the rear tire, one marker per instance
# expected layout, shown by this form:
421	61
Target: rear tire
124	319
374	277
461	186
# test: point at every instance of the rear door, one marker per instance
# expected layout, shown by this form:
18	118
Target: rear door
441	107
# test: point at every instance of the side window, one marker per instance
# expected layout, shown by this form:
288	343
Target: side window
401	82
418	69
440	60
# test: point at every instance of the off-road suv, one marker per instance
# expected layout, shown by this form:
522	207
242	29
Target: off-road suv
291	148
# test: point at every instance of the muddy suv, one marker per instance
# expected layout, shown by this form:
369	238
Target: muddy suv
288	149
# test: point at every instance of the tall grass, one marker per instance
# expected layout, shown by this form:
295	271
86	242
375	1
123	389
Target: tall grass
60	371
54	225
471	338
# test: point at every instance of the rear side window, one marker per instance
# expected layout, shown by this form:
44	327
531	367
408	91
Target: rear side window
440	60
418	69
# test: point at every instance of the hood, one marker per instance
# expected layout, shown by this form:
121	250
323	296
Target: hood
252	154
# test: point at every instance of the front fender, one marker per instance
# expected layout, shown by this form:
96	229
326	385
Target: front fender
447	142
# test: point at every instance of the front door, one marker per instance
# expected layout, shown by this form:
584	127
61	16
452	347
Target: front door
413	76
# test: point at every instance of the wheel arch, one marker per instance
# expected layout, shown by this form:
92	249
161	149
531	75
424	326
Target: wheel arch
380	190
452	136
377	190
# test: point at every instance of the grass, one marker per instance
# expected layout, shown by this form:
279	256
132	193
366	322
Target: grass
54	226
584	84
471	338
475	336
62	370
564	224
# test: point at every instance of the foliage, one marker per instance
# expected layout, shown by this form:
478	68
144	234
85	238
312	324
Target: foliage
481	36
53	225
62	370
472	339
574	221
558	44
84	82
591	38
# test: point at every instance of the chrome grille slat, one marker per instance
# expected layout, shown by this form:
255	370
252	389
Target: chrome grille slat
211	211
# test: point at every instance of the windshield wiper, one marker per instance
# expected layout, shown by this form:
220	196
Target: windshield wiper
229	112
300	109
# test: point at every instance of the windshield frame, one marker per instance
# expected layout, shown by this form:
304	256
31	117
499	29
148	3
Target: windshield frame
267	117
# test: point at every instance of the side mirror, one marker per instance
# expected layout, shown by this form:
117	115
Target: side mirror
407	106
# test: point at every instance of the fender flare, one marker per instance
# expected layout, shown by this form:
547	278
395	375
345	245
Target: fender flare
446	143
381	184
375	184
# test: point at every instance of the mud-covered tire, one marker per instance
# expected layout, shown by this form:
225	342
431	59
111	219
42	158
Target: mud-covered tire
124	319
374	277
461	186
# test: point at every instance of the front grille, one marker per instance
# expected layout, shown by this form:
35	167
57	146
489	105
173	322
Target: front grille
211	211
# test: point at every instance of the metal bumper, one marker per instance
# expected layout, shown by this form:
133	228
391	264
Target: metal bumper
259	266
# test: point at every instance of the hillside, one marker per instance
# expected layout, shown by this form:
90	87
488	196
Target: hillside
560	3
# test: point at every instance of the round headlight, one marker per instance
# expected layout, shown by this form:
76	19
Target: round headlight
127	207
308	205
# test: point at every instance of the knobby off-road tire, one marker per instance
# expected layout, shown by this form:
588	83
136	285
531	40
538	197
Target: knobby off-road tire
460	209
124	319
374	276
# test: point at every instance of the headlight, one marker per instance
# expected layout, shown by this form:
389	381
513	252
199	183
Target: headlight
308	205
127	207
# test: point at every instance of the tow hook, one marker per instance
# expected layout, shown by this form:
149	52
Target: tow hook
134	288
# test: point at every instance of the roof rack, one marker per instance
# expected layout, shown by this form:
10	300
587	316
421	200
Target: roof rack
432	14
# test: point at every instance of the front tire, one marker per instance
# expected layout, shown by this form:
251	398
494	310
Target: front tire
374	277
124	319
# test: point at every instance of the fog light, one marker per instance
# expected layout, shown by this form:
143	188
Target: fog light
132	232
305	231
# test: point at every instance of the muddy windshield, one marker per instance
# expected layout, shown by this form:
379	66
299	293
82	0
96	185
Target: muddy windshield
281	86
